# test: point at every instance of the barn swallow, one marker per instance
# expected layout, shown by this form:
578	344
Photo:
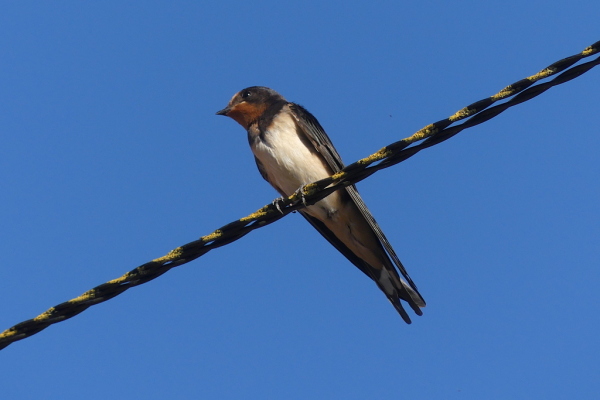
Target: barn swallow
291	149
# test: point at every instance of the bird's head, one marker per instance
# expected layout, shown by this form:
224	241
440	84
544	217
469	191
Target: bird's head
247	105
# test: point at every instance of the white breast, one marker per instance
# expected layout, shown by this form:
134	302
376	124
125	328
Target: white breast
289	163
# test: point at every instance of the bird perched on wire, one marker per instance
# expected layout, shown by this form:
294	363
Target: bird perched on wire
291	149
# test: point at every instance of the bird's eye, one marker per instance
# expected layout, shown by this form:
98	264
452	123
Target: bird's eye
246	94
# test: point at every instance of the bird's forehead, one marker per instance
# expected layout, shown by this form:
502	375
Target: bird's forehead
235	98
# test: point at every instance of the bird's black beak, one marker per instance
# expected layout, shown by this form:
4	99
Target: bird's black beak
223	111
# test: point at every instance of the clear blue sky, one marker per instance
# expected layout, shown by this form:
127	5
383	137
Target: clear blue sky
111	155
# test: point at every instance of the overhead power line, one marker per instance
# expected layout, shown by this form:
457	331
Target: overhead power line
473	114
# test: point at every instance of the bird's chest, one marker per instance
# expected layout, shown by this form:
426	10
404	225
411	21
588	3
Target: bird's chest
288	159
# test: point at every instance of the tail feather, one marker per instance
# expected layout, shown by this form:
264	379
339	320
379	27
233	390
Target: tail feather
398	306
417	301
395	290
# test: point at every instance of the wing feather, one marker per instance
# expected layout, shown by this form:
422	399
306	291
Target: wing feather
316	134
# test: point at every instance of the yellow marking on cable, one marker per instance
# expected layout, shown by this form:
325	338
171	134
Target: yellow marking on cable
172	255
588	51
542	74
254	216
423	133
210	237
460	114
506	92
380	155
125	277
338	176
45	315
8	333
90	294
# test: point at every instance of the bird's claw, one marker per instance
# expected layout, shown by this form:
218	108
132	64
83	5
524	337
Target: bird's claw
277	203
300	192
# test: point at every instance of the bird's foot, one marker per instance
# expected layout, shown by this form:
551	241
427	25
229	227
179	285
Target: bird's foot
300	192
277	203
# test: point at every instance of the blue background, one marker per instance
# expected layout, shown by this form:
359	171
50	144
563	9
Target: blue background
111	155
